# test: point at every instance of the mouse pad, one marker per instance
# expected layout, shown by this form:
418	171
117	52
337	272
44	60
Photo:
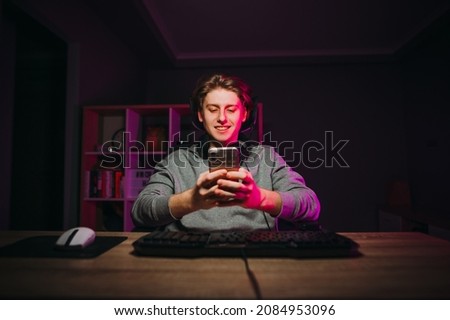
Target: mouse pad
44	247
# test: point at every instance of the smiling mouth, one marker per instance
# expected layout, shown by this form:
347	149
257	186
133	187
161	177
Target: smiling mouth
222	128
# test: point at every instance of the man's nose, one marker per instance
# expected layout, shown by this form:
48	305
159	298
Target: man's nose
222	116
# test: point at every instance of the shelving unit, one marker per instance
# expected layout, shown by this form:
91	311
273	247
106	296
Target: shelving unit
117	157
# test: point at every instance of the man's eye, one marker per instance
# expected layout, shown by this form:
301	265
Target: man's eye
231	110
213	110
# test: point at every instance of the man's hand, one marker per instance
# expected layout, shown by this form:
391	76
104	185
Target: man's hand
224	188
203	195
239	188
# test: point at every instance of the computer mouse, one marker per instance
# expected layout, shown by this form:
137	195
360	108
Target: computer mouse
76	238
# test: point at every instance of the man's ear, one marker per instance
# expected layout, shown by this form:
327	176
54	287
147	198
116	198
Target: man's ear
200	116
245	115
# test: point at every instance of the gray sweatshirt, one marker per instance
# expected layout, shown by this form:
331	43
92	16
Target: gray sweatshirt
180	170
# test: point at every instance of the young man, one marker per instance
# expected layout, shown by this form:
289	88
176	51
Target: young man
183	194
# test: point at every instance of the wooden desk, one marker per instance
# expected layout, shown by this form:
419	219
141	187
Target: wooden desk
393	266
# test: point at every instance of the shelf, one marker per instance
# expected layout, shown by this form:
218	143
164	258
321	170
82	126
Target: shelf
100	153
103	199
145	153
131	126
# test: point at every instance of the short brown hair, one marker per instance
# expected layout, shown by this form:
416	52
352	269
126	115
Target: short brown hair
231	83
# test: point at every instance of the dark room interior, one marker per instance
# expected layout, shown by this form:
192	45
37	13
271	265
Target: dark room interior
353	95
376	76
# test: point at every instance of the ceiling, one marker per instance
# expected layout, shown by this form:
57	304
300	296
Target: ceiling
247	32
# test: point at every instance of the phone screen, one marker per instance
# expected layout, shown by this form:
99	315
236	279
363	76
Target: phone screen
223	158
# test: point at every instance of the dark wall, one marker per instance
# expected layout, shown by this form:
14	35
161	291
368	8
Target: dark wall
37	169
7	62
100	70
107	71
426	73
359	103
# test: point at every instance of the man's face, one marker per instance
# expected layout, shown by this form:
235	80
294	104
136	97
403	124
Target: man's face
222	115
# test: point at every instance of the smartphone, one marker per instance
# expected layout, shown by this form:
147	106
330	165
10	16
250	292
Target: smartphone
223	158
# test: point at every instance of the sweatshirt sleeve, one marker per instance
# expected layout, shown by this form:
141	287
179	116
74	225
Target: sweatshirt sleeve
299	202
151	207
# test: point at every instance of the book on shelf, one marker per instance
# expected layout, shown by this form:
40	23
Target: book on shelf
103	183
118	184
107	183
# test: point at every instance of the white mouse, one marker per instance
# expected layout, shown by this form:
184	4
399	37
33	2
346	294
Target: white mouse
76	238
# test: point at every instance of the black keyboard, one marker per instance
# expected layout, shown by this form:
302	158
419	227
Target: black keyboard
295	244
